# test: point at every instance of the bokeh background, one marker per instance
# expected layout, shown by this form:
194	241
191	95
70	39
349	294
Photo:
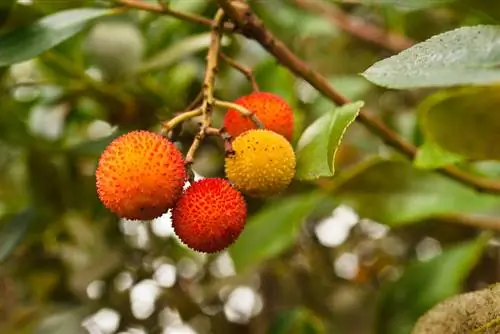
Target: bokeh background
367	251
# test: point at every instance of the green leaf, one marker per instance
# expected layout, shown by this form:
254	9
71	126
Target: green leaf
28	42
424	284
297	321
395	193
464	56
14	232
272	230
173	53
431	156
404	5
318	144
464	121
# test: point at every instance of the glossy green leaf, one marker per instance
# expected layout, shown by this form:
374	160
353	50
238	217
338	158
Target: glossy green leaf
424	284
178	51
14	232
464	121
464	56
272	230
297	321
28	42
396	193
431	156
318	144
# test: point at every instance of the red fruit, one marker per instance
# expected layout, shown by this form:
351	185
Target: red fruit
210	215
140	175
273	111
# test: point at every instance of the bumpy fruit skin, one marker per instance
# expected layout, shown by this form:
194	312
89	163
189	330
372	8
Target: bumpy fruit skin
274	113
140	175
262	165
210	215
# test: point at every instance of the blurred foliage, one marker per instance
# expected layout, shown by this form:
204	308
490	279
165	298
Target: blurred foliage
448	112
358	244
423	284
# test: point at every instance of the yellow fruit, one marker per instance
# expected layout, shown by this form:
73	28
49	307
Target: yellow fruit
263	163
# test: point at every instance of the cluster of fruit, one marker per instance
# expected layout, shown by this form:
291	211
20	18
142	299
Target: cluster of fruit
141	175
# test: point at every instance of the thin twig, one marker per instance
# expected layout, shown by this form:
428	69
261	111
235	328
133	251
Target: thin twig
212	131
242	110
166	10
252	27
194	147
228	142
226	137
356	26
208	84
247	72
197	100
172	123
218	132
192	110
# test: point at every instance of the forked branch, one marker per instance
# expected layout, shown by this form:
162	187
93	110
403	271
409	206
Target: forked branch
166	10
252	27
247	72
248	24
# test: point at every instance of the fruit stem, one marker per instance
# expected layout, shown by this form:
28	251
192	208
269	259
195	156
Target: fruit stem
196	102
246	71
213	132
242	110
169	125
228	146
190	174
208	84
